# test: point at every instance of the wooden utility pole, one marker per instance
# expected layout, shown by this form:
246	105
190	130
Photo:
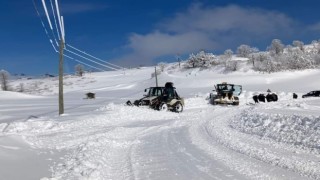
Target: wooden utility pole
61	103
156	75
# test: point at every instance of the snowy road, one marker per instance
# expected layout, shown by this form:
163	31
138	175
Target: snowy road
120	142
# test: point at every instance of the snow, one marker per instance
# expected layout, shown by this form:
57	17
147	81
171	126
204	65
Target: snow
104	139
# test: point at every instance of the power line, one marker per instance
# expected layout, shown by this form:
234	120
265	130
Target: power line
62	32
83	63
90	60
94	56
46	11
48	18
54	17
55	40
59	19
44	27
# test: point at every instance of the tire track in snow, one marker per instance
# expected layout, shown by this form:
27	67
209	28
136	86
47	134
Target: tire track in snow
216	128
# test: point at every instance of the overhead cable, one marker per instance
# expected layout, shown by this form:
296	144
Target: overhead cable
83	63
54	17
93	56
90	60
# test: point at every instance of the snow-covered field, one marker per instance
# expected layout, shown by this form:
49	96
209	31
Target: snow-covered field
104	139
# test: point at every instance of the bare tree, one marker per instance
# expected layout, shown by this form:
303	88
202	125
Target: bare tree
79	69
162	65
4	76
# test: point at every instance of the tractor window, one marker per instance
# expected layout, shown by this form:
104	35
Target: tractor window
224	87
158	92
237	90
155	92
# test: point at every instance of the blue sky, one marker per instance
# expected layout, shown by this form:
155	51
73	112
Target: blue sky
140	32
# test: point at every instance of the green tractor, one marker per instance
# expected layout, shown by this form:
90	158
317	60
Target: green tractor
225	94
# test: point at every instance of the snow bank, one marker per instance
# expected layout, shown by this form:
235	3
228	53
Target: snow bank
303	131
15	95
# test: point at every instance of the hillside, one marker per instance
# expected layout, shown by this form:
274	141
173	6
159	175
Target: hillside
104	139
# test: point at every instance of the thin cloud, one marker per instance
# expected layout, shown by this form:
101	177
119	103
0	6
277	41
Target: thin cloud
314	27
210	28
225	19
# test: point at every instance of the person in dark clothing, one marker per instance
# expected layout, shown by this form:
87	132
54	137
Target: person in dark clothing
168	92
295	96
255	98
262	98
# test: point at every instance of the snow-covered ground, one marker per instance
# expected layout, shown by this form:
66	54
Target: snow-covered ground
104	139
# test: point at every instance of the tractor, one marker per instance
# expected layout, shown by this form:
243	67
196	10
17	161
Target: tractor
225	94
161	98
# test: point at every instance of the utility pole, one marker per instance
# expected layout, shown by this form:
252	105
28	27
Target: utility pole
61	103
178	59
156	75
61	46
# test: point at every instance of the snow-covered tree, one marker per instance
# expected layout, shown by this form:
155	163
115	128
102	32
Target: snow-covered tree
276	47
231	65
228	54
261	59
201	59
4	77
316	59
245	50
298	44
192	60
79	69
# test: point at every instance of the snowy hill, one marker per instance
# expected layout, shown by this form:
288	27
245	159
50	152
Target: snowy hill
104	139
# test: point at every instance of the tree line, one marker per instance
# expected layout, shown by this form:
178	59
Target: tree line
277	57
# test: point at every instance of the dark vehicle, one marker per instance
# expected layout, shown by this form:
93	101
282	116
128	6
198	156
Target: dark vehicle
161	98
153	93
169	100
225	94
312	94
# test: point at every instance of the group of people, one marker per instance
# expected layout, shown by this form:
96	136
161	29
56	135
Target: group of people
269	97
262	98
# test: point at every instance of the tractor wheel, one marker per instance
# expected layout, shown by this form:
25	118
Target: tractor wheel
163	107
178	107
235	103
